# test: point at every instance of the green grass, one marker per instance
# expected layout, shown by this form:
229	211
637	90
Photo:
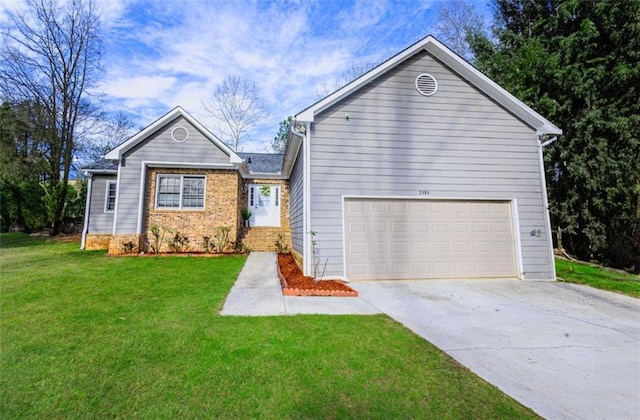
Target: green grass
84	335
601	278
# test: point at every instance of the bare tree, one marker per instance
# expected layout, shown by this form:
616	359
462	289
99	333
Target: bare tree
50	55
457	20
237	107
107	133
352	73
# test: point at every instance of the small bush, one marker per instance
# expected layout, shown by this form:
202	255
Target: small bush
157	238
222	237
208	245
241	248
129	247
179	243
281	244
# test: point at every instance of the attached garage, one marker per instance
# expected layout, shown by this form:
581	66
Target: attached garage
394	239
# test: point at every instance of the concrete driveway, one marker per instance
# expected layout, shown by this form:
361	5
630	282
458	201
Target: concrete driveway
566	351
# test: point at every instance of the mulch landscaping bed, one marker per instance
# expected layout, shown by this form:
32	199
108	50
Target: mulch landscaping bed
295	284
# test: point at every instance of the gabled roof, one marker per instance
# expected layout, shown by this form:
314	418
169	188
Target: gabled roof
176	112
458	65
264	163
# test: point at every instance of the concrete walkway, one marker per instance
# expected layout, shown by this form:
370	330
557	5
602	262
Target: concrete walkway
257	292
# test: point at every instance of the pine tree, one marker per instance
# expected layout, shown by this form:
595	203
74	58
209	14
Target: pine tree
578	64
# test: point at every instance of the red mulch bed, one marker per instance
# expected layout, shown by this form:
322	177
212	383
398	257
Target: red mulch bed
295	284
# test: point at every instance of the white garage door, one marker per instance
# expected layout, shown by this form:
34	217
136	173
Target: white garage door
416	239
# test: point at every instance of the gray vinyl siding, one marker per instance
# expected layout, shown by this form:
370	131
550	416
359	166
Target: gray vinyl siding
296	203
159	147
457	144
99	221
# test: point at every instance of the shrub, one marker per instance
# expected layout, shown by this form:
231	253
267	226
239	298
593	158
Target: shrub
129	247
179	243
157	235
222	237
208	245
281	244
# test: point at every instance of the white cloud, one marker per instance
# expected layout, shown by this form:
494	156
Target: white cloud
139	87
160	54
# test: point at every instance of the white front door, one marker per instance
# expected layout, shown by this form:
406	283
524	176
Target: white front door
264	203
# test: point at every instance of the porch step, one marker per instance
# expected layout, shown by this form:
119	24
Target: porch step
263	239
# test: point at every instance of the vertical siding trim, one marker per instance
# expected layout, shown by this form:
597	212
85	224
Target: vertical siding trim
517	238
306	200
143	178
115	211
344	241
87	211
545	204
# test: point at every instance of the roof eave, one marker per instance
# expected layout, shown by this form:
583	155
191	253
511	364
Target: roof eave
101	171
459	66
117	153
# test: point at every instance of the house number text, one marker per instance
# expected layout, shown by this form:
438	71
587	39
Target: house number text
423	192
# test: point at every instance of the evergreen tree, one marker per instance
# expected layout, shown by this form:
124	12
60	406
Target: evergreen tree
279	142
578	64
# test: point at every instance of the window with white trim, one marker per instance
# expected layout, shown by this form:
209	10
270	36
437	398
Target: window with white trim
182	192
110	197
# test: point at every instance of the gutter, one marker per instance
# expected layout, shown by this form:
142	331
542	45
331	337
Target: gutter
87	204
306	194
545	201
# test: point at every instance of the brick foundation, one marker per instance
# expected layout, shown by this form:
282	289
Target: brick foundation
116	244
263	239
97	241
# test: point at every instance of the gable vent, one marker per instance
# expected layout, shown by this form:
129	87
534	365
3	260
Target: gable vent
426	84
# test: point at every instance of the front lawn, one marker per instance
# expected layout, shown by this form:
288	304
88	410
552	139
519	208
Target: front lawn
601	278
84	335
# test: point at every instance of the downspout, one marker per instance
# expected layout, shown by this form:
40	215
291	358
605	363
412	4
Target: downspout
545	200
87	204
306	194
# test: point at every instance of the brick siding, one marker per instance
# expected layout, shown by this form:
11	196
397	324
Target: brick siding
97	241
220	208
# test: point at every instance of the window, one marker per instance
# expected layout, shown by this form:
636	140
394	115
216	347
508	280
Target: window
180	192
110	197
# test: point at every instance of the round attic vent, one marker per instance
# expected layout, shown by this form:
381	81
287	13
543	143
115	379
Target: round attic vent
179	134
426	84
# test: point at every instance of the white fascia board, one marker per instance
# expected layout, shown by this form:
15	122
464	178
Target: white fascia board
101	171
291	154
188	165
308	114
266	175
459	66
491	88
178	111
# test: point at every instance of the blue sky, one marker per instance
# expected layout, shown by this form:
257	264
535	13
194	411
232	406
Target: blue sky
159	54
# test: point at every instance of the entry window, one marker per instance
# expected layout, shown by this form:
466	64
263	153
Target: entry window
110	197
180	192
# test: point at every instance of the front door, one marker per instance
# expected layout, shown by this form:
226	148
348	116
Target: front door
264	203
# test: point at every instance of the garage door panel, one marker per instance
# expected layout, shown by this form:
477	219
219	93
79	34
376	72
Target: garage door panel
400	239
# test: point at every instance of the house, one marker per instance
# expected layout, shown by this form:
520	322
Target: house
421	168
176	175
